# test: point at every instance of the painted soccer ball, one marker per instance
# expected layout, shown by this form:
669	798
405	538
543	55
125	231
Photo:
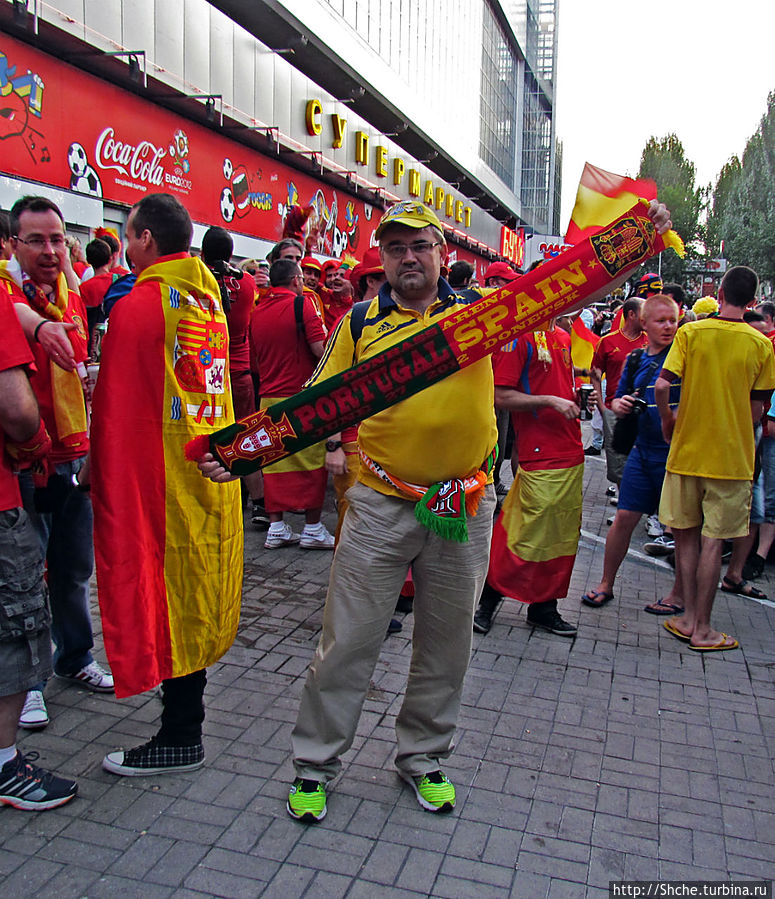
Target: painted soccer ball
87	183
227	204
77	159
228	168
181	143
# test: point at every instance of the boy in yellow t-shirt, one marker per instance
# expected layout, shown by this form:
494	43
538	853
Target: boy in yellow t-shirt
727	372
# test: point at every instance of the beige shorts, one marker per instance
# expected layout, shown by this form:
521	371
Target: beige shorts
721	507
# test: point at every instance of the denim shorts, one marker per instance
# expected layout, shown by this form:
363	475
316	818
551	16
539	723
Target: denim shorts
642	479
768	475
25	638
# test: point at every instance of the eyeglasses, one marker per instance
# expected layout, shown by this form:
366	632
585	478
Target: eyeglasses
420	248
40	243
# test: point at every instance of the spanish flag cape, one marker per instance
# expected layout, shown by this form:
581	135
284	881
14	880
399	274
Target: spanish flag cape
168	542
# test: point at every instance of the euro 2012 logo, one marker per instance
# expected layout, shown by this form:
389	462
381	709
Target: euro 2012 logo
178	151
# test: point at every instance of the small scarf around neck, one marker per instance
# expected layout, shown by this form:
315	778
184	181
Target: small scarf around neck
66	387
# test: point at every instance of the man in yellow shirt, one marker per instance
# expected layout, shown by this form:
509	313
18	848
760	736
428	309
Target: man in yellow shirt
727	372
441	438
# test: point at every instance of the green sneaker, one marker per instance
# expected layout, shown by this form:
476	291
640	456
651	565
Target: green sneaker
307	800
434	791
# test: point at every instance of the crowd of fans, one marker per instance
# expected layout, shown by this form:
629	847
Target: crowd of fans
661	372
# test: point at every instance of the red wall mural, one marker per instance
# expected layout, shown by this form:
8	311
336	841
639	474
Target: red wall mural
63	127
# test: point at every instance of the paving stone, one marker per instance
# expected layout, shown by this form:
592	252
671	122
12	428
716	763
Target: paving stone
220	883
615	756
453	887
384	863
290	880
28	878
420	870
76	852
110	886
141	856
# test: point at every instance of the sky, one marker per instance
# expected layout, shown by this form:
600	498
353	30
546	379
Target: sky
630	69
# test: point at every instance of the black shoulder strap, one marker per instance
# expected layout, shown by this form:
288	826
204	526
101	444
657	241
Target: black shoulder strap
635	358
298	314
358	319
633	361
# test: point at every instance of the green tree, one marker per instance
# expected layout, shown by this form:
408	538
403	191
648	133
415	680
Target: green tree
742	219
664	161
726	184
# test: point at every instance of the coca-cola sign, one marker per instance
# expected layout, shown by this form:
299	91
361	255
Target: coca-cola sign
141	161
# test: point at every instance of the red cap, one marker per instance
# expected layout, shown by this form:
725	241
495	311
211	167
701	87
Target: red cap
500	270
311	262
371	264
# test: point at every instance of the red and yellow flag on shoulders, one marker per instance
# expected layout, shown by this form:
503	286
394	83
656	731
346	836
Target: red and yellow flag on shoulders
602	197
168	542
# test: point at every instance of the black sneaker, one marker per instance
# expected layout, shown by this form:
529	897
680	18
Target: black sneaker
610	490
395	626
551	620
25	786
154	758
259	516
405	604
592	451
482	621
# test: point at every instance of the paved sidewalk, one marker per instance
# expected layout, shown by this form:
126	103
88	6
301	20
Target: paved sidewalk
617	755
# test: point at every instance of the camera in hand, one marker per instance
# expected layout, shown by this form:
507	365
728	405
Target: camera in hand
226	274
626	428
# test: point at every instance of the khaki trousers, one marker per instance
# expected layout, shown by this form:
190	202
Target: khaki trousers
380	539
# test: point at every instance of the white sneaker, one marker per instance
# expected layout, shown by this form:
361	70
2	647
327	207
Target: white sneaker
654	527
318	540
34	715
660	546
285	537
92	676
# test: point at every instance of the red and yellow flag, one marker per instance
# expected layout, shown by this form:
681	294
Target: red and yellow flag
603	197
582	343
168	542
535	538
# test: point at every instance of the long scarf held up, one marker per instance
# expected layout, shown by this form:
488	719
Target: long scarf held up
525	304
442	507
66	386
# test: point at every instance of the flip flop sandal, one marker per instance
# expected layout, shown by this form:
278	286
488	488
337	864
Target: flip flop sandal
660	607
596	598
721	646
742	588
672	629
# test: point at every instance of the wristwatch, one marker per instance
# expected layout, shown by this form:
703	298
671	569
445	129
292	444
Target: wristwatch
333	445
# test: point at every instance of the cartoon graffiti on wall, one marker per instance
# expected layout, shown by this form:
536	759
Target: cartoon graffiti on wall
245	191
84	178
323	235
21	96
241	194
